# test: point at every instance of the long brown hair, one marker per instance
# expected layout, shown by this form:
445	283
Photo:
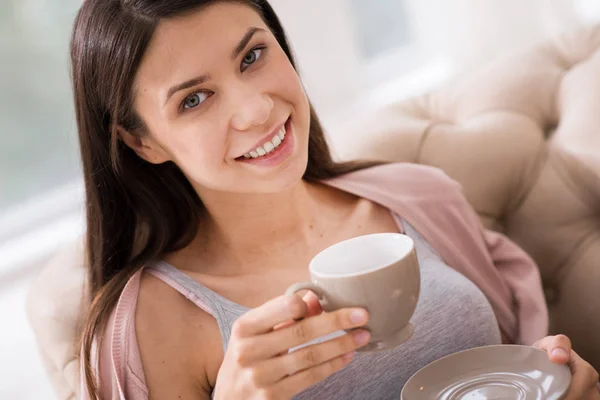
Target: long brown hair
137	211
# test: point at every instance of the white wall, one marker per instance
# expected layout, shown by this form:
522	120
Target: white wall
460	33
470	32
321	35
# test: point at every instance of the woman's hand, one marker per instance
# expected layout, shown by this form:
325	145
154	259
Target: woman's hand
584	381
257	364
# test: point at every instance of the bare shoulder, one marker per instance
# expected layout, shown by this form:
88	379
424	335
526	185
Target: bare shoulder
176	340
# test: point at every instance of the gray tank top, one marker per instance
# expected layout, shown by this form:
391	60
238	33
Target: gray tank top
452	315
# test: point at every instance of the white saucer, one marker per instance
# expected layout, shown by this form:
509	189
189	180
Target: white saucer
503	372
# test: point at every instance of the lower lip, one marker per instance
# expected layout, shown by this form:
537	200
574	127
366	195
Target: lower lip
278	155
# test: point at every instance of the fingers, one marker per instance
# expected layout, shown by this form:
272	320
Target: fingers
273	370
273	343
307	378
558	348
313	307
313	304
584	379
262	319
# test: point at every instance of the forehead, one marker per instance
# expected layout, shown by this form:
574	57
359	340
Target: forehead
187	46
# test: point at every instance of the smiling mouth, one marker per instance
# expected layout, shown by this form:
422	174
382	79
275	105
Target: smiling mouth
267	147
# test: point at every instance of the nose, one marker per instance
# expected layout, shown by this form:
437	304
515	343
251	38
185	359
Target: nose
250	108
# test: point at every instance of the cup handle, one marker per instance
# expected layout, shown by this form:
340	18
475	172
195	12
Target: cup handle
296	287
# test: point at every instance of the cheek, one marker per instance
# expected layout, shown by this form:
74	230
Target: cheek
295	88
198	148
288	82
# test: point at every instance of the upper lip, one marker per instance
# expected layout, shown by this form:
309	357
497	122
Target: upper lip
266	138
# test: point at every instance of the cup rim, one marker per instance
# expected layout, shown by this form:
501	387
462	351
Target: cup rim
405	238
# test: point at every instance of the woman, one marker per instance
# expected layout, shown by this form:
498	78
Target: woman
210	187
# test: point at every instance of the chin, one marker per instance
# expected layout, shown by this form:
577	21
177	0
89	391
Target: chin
286	178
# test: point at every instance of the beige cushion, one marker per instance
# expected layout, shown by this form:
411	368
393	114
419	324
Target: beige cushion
523	138
55	306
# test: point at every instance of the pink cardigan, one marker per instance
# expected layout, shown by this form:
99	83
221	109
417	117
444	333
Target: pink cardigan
432	203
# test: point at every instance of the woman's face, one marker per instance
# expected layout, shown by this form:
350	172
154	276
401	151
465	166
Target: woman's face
221	99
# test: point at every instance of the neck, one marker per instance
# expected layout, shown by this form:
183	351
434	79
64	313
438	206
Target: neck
248	230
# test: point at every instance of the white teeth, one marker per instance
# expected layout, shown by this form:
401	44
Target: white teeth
276	141
268	147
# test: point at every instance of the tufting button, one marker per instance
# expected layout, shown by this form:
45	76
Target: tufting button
551	294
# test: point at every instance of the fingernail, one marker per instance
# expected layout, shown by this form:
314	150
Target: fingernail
358	316
348	357
361	337
558	352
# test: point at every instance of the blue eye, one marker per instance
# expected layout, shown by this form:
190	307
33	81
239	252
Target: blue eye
252	57
194	100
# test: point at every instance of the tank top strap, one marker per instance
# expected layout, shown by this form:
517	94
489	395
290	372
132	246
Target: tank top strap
223	310
422	247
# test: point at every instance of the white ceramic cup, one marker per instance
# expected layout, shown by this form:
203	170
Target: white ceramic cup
379	272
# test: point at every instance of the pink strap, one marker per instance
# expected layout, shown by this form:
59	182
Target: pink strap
127	302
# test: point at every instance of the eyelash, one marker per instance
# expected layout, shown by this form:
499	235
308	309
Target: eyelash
260	49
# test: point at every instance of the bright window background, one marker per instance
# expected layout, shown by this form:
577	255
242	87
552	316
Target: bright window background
353	55
381	26
38	149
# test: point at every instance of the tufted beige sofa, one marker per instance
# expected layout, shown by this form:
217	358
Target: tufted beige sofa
523	138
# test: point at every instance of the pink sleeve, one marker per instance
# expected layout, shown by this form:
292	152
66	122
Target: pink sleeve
521	275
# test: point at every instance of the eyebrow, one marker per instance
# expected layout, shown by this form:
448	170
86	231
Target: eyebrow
244	42
201	79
